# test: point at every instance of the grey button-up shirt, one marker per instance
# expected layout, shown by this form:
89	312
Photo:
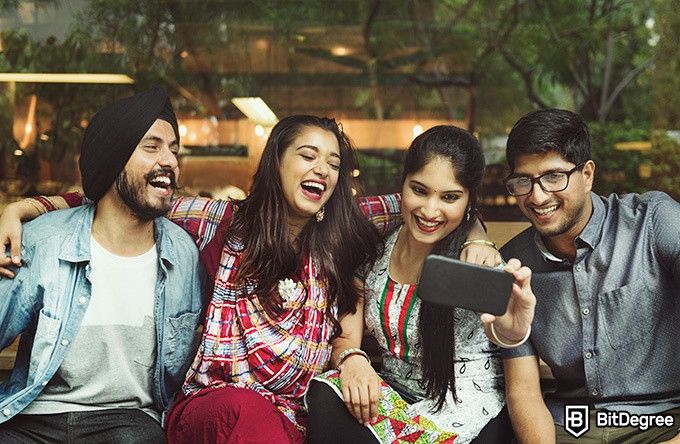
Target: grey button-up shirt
608	325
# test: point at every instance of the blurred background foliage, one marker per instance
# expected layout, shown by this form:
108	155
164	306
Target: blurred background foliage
487	62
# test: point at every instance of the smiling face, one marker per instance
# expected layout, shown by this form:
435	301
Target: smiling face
147	183
561	213
433	201
309	171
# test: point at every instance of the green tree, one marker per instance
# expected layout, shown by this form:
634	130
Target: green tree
597	49
665	154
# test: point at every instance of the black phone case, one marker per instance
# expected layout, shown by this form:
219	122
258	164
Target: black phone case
456	283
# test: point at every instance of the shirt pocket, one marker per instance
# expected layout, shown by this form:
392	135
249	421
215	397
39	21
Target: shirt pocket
46	333
629	314
182	338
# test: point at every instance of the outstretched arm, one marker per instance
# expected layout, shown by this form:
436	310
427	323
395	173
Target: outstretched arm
478	249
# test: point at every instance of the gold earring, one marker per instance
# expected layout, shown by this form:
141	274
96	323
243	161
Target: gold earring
320	214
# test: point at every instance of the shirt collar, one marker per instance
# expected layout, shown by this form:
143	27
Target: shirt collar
547	255
76	247
593	229
167	253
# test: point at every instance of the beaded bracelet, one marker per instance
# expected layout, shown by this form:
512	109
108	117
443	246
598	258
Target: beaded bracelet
506	345
479	241
349	352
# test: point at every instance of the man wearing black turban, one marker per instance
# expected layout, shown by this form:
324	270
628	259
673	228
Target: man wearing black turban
108	297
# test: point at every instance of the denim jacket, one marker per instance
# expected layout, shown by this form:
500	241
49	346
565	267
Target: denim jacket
49	295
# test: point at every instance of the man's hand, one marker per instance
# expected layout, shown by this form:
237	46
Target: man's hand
515	322
10	236
360	388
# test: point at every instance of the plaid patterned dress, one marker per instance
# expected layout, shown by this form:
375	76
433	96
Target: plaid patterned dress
242	346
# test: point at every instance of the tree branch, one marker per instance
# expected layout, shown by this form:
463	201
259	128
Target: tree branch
621	85
368	27
512	18
372	63
608	62
438	80
527	76
580	84
210	96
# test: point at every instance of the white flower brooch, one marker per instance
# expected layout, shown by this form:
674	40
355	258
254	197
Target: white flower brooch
287	289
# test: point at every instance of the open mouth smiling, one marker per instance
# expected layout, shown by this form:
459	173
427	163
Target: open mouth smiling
545	211
163	180
427	225
313	189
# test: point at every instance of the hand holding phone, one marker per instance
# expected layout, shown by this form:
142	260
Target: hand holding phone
451	282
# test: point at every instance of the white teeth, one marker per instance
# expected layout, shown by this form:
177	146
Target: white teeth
160	181
427	223
317	185
544	211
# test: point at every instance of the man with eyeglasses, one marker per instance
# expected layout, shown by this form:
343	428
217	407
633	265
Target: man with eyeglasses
606	275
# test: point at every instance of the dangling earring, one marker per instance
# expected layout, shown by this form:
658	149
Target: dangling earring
320	214
467	215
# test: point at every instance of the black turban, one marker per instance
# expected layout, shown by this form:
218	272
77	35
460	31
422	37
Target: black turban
113	134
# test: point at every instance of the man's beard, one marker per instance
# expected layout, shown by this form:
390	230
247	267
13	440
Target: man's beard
133	195
571	219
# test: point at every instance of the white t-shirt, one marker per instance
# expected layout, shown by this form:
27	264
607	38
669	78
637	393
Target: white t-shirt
111	360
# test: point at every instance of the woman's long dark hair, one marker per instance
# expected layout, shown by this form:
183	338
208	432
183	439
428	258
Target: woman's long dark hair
436	323
342	242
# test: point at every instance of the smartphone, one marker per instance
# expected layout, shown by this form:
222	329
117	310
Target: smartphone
447	281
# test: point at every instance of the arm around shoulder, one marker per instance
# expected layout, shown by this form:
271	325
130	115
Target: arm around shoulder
531	419
478	249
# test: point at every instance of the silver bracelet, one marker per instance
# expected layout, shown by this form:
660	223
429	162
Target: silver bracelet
349	352
505	345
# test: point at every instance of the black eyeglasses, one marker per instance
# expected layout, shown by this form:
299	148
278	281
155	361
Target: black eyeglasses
549	182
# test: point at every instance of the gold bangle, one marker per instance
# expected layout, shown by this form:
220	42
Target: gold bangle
488	243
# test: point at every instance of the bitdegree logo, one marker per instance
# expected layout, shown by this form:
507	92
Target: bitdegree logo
625	419
577	420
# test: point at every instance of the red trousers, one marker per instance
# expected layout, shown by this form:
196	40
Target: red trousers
228	415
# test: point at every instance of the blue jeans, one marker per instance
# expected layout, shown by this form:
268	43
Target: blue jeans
125	426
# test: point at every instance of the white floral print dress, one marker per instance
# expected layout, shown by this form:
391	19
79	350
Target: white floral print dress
392	312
